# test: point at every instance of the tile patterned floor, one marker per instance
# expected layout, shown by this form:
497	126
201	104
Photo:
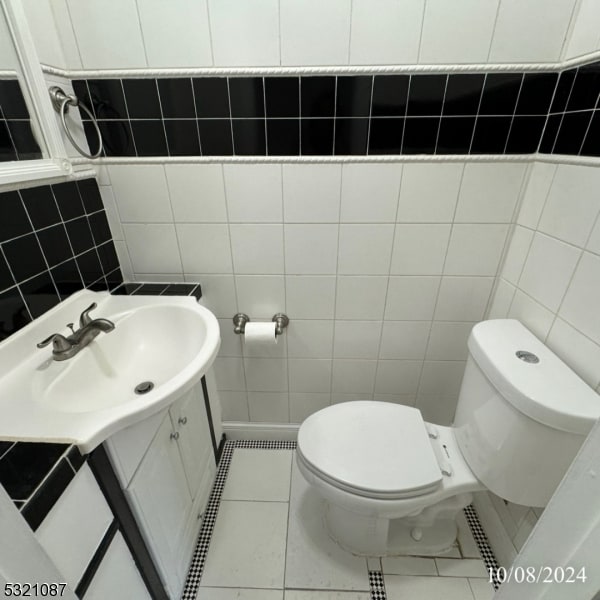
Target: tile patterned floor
263	538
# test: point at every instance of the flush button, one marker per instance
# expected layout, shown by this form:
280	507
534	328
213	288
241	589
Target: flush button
528	357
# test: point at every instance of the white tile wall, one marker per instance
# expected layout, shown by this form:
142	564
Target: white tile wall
584	37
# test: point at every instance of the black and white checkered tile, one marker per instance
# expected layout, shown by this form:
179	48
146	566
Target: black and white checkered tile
377	585
487	554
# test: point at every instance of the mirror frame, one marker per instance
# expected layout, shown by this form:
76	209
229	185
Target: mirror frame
57	164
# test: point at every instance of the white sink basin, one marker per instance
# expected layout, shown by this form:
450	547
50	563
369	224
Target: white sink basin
169	341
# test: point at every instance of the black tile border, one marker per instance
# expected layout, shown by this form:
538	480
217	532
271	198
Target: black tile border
158	289
487	554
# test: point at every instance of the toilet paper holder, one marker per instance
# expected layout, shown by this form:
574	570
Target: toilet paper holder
239	322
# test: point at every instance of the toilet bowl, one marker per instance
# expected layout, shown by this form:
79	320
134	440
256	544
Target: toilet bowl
393	484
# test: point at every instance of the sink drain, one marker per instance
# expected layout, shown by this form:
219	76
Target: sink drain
144	387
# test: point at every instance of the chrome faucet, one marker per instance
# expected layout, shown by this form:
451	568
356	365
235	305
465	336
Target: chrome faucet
67	347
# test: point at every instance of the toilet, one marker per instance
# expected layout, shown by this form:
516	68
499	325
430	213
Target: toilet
394	484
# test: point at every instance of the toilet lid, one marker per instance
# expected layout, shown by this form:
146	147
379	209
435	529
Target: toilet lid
374	448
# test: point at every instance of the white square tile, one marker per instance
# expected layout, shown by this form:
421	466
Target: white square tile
313	33
266	374
304	404
365	249
517	37
218	293
353	376
310	297
419	249
153	248
197	193
213	593
411	298
501	300
244	33
399	587
253	193
176	34
360	297
457	33
230	374
261	296
489	192
461	567
584	36
439	409
234	406
448	340
475	249
463	298
388	34
398	376
536	192
65	34
408	565
311	249
370	193
257	249
231	342
114	221
442	377
516	255
205	248
310	339
268	407
259	475
532	314
247	547
482	589
405	399
429	192
593	244
339	397
548	286
320	595
572	205
356	339
311	193
141	193
124	260
309	375
404	339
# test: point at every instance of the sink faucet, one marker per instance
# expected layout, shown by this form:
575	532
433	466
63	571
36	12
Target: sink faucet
67	347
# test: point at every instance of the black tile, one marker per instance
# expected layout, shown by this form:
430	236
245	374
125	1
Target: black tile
591	145
13	313
212	97
149	138
283	137
67	278
7	150
490	135
80	88
75	458
40	294
586	88
572	132
455	135
317	96
89	266
177	98
249	137
536	93
463	94
4	446
282	96
197	292
525	135
563	91
55	244
25	466
108	257
125	289
6	279
426	95
107	98
182	137
351	136
24	141
99	285
116	136
36	510
247	98
41	206
12	100
114	278
215	137
500	93
550	133
80	234
353	96
107	129
100	228
68	200
142	98
420	135
151	289
13	216
385	136
24	256
316	137
90	195
179	289
390	95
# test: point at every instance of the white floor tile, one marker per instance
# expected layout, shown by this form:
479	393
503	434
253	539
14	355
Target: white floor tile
374	563
408	565
463	567
248	546
238	594
259	475
314	561
468	546
401	587
482	589
311	595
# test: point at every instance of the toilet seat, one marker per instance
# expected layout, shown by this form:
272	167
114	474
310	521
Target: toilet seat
372	449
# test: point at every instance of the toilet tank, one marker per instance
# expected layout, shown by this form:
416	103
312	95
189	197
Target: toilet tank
522	413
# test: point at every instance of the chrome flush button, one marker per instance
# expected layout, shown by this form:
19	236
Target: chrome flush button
528	357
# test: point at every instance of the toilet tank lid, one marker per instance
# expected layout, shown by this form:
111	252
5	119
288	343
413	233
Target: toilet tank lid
548	391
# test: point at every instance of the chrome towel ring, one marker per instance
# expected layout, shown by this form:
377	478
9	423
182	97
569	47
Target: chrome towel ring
61	103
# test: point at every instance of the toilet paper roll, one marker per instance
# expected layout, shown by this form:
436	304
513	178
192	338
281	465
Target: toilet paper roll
260	333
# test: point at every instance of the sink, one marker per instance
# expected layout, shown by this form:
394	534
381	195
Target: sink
168	341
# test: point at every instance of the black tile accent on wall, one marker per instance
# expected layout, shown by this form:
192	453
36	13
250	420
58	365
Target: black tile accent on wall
390	94
426	95
142	100
282	97
353	97
177	98
211	95
247	99
463	94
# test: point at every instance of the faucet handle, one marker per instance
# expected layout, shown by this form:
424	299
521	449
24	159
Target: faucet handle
70	326
85	318
59	342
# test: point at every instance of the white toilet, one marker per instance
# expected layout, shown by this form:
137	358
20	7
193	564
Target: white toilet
393	484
